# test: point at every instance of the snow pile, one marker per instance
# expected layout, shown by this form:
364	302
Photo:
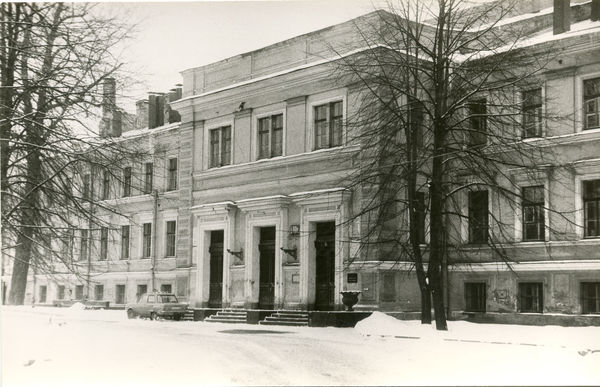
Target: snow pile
381	324
77	306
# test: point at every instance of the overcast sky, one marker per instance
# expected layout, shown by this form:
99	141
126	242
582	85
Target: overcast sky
175	36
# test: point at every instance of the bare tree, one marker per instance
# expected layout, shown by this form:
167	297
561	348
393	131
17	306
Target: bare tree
54	58
447	93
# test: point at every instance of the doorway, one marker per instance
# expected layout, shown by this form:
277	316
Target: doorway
325	266
215	291
266	248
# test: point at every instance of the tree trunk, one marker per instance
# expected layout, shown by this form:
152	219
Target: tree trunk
18	283
425	305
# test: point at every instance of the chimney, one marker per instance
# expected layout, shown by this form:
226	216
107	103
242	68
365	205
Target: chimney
562	16
141	114
170	114
117	122
595	10
109	89
156	107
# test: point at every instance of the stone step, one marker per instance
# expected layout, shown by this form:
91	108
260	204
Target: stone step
286	323
226	321
231	313
286	318
291	314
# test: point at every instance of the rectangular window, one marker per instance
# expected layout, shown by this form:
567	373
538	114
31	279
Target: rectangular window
475	296
328	125
86	187
590	297
591	103
61	292
83	247
420	216
105	184
67	246
120	294
531	297
532	113
533	213
591	208
170	242
79	292
99	292
147	240
220	146
478	217
172	175
149	171
103	243
141	290
126	182
165	288
477	123
270	136
43	292
124	242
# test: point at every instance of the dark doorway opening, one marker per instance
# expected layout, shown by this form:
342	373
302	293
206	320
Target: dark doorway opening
215	292
266	248
325	266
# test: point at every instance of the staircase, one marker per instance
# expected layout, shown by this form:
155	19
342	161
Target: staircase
188	316
231	316
289	318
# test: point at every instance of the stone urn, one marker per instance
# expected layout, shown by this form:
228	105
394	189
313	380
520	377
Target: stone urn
350	298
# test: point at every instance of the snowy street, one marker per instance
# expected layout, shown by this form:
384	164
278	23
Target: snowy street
67	346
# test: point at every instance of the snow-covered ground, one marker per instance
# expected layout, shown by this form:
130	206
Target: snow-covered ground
75	347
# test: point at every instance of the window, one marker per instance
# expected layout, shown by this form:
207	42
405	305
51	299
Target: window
165	288
416	112
103	243
146	240
172	175
67	245
328	125
533	213
170	242
141	290
420	216
79	292
126	182
105	184
591	208
270	136
590	297
478	123
83	248
475	296
532	113
148	178
478	217
591	103
531	297
43	292
124	242
120	294
61	292
220	146
86	187
99	292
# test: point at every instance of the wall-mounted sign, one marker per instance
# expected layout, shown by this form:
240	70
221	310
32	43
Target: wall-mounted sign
295	278
352	278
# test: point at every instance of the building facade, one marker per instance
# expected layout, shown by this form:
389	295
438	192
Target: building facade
243	202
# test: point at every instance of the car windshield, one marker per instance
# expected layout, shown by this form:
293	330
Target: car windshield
167	299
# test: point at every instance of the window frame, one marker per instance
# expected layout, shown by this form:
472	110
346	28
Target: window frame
84	244
86	187
105	184
471	227
103	244
127	180
146	240
329	120
585	201
125	242
538	112
43	291
270	117
99	293
595	298
220	129
168	236
539	308
540	207
595	98
148	177
172	174
60	292
477	304
476	136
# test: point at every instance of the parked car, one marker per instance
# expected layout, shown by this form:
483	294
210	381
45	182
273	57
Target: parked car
157	304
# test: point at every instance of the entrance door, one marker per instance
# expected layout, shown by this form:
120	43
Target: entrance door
215	292
325	266
266	247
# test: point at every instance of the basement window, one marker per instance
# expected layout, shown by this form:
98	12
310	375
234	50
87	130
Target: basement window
475	296
590	297
531	297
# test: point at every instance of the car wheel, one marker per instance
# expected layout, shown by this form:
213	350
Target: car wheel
130	313
152	316
177	317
